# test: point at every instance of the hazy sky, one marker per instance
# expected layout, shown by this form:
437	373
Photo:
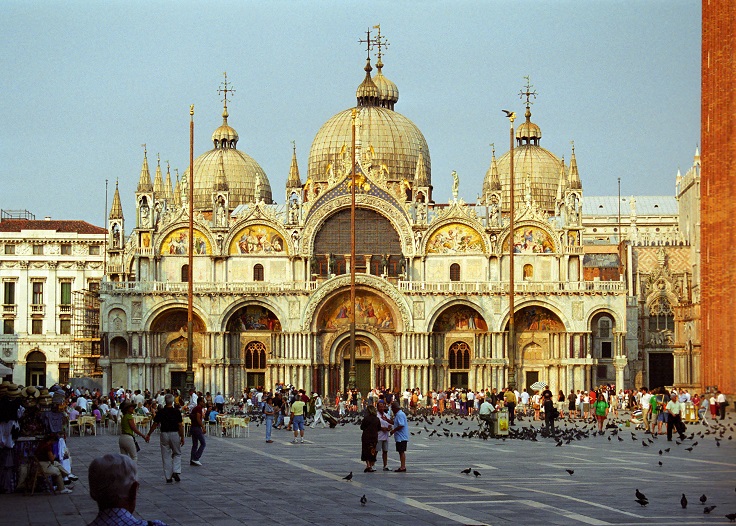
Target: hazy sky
84	84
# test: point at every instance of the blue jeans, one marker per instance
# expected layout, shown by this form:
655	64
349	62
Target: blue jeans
198	443
269	425
280	420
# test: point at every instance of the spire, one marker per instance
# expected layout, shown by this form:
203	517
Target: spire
116	212
562	185
574	178
144	183
168	192
294	181
420	174
221	180
696	158
177	190
495	179
158	181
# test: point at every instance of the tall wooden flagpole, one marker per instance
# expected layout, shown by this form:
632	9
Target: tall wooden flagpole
190	285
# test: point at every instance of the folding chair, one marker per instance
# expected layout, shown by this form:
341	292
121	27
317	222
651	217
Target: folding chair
35	471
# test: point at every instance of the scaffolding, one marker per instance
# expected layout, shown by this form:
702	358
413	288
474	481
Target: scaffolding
87	342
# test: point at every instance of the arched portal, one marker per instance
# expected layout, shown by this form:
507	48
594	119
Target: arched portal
538	338
459	329
364	352
249	343
36	369
169	331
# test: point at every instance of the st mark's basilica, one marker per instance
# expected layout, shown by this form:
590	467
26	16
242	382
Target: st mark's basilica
271	282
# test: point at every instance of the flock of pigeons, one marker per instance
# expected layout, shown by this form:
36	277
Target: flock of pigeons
572	431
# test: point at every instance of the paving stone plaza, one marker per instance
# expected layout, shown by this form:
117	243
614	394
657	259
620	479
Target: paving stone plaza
246	481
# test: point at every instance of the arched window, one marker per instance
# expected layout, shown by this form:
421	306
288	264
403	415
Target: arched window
459	356
185	273
455	272
258	272
661	316
528	272
255	355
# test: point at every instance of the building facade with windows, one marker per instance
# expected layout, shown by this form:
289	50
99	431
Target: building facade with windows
271	282
43	265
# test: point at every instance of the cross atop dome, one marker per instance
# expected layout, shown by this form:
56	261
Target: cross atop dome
369	42
528	93
380	42
224	89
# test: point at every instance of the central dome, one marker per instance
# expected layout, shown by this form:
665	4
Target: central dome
397	142
240	170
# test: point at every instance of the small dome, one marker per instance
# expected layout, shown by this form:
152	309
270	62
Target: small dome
540	166
528	132
225	136
241	171
388	92
367	91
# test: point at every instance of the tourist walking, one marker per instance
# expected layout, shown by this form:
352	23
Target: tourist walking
674	420
268	412
318	408
371	426
171	438
722	404
128	430
400	433
197	431
509	398
600	408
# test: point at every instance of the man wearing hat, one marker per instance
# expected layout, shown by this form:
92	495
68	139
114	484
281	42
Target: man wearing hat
318	407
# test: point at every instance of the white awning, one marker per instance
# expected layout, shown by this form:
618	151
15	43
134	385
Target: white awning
4	371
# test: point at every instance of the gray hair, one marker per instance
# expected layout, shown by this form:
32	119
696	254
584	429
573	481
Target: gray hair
169	399
110	479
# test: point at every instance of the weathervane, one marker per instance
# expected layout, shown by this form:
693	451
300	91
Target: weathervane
369	43
528	93
145	152
380	42
225	89
493	148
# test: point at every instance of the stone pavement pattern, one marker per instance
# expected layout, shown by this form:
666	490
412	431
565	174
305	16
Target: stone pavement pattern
246	481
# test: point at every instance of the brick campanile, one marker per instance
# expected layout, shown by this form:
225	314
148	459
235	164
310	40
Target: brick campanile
718	199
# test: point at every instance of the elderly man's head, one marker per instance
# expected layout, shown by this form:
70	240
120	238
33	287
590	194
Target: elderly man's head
169	399
112	482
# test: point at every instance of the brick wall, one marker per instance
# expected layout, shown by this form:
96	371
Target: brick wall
718	202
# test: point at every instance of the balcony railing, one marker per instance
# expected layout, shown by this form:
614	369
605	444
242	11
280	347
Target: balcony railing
38	309
168	287
415	287
65	308
10	309
483	287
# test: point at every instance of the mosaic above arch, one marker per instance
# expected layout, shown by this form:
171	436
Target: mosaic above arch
531	240
460	318
370	310
177	243
454	238
534	318
253	318
258	239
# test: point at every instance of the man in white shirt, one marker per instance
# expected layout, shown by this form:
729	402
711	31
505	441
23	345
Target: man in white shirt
405	399
722	404
524	400
318	407
645	407
82	404
386	424
192	399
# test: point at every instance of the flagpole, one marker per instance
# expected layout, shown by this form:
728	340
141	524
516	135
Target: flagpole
512	329
352	374
190	285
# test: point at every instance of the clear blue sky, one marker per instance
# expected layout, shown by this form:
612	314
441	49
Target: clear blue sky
84	84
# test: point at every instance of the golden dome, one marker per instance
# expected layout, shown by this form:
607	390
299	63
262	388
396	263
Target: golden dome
535	164
241	171
396	141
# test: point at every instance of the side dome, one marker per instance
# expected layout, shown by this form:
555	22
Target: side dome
397	142
242	172
532	163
